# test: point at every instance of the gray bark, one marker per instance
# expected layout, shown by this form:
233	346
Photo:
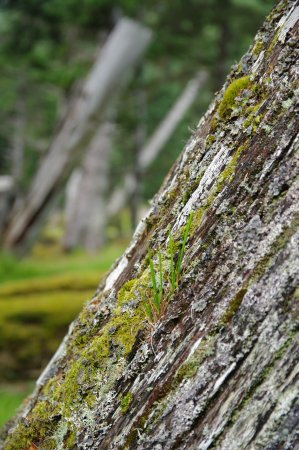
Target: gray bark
155	144
6	194
85	200
120	53
220	367
18	140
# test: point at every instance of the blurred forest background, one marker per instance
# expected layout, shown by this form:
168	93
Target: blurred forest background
47	50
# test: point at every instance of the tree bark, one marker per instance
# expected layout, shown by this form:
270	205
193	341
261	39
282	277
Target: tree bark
219	369
18	140
120	53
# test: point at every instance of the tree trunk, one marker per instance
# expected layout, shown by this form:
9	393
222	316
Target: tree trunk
18	140
120	53
85	202
218	368
140	138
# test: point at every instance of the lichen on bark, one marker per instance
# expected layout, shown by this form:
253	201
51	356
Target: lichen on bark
220	368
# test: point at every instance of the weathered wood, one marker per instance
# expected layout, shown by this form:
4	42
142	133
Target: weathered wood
6	193
85	199
220	368
121	52
155	144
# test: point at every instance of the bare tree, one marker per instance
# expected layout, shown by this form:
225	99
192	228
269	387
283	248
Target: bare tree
85	200
121	52
217	365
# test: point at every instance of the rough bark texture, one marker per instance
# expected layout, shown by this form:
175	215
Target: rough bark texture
220	368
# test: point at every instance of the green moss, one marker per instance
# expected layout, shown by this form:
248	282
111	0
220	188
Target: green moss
71	440
210	140
197	219
228	101
229	172
190	368
214	124
234	306
23	438
126	402
94	361
258	47
126	293
252	118
273	42
172	196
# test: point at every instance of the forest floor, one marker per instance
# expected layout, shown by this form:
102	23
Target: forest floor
39	296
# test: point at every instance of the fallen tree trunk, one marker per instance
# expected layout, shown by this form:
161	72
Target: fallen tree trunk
119	55
218	367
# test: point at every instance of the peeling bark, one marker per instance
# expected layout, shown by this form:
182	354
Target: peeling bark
220	368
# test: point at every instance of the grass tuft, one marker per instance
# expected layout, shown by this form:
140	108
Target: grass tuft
156	306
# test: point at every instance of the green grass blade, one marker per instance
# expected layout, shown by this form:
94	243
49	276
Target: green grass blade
149	311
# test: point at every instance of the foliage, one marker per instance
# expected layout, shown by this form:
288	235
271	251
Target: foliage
10	398
38	302
44	263
162	293
59	40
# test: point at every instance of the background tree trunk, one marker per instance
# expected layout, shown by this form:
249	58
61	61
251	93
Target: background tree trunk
220	367
86	202
118	56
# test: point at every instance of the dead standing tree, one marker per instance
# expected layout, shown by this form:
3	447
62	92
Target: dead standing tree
85	199
121	52
220	368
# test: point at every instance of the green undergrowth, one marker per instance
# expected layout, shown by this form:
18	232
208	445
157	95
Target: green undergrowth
11	395
165	282
47	264
31	329
37	306
41	285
